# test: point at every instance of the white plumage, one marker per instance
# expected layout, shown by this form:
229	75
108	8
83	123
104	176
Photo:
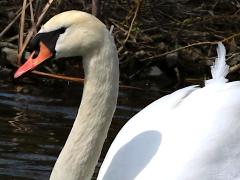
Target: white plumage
220	69
191	134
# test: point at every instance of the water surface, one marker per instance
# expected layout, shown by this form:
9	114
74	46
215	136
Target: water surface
35	122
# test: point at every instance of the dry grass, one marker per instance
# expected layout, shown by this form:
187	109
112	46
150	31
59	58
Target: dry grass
148	32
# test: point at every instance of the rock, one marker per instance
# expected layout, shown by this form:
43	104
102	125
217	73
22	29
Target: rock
154	71
10	55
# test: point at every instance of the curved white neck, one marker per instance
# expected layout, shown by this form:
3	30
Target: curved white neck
84	144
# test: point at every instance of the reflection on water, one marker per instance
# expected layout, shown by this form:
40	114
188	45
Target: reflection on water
35	122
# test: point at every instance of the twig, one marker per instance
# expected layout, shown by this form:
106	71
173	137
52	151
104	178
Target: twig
95	5
234	68
117	25
8	44
56	76
190	45
44	12
231	37
178	49
170	17
32	19
134	17
130	87
21	31
12	38
12	22
74	79
9	25
111	29
31	32
130	28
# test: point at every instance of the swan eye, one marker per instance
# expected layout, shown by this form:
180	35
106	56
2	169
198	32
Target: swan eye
62	30
48	38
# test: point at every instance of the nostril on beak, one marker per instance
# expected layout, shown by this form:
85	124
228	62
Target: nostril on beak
36	52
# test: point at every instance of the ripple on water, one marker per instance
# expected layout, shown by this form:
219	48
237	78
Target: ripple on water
34	126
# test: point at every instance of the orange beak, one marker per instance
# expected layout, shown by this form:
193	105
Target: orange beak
31	63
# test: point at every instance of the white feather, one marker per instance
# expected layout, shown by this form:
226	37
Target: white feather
219	69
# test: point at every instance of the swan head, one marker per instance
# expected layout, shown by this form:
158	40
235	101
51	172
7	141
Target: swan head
68	34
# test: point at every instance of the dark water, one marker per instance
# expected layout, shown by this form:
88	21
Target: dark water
35	122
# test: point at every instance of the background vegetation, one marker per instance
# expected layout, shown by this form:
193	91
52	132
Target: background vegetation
163	44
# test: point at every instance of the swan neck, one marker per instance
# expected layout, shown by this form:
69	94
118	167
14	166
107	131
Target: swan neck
84	144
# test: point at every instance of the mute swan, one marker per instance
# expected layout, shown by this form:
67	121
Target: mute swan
191	134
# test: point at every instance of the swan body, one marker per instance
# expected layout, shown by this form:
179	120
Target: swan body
191	134
176	139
